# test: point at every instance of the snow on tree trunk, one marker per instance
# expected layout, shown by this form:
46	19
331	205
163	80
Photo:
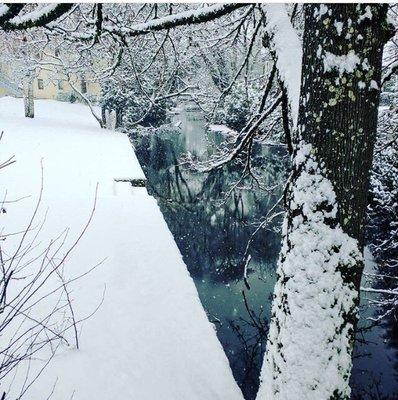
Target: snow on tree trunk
314	311
28	98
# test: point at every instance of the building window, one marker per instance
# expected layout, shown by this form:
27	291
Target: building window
60	85
83	85
40	84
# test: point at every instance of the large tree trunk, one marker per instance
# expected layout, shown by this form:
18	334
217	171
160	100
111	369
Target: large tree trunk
314	311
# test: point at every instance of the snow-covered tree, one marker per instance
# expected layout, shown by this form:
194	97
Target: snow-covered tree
314	312
18	59
330	86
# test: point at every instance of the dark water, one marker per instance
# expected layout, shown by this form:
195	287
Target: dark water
212	233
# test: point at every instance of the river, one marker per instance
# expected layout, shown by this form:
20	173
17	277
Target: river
212	233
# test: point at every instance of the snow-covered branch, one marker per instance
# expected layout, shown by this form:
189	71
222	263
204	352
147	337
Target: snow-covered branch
391	70
244	138
189	17
9	11
381	291
284	41
87	101
36	18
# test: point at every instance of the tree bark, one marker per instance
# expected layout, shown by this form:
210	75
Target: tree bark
314	311
340	117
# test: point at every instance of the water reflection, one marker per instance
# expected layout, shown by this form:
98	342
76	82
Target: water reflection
212	233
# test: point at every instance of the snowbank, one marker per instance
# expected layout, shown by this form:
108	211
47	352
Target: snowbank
150	338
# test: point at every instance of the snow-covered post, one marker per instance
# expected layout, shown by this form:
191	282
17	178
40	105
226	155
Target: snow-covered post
106	113
110	119
314	312
28	97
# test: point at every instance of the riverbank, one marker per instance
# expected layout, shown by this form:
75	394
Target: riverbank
149	337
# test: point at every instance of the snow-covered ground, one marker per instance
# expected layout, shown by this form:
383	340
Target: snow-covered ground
150	337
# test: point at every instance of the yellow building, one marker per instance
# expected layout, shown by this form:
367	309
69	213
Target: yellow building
48	83
7	87
53	85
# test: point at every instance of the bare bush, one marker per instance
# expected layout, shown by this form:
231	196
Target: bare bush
36	306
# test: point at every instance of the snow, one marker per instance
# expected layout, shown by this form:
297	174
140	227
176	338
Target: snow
374	85
288	49
339	27
367	14
150	337
345	63
222	129
3	9
322	10
309	351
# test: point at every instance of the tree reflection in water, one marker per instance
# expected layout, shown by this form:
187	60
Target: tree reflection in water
212	233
